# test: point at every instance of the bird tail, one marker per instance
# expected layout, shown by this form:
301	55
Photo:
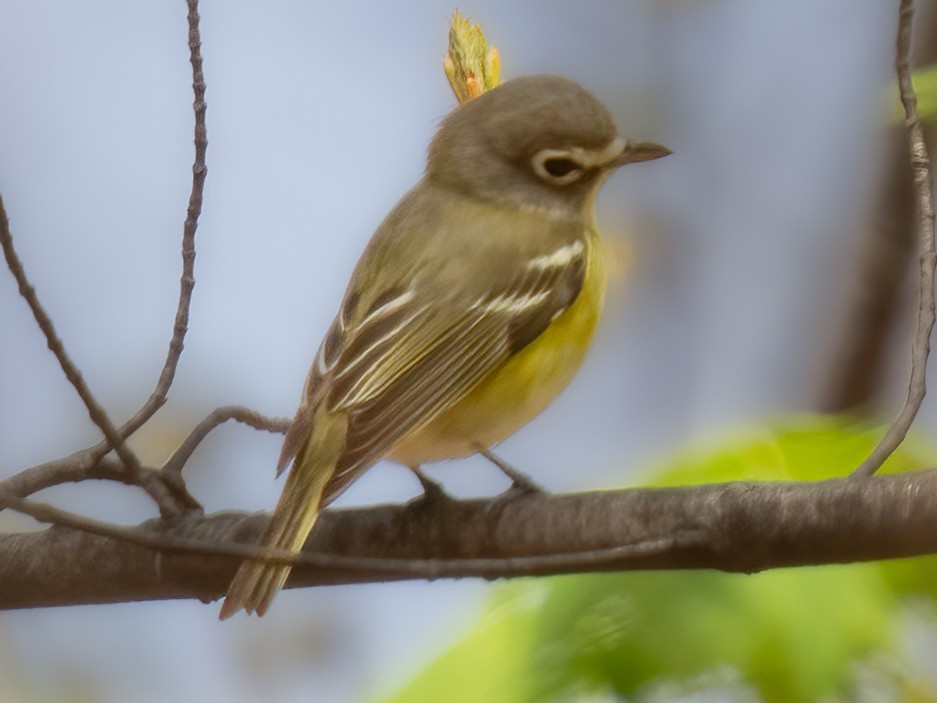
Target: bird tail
256	582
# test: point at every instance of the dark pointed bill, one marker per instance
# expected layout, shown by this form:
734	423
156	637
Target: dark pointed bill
639	151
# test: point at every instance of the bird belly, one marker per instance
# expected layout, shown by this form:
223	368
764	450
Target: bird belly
521	388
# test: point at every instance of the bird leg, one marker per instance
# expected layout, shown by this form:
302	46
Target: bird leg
521	483
433	492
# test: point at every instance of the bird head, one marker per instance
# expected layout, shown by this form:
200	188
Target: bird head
537	142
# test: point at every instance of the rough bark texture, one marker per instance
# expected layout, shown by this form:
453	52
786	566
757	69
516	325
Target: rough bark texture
740	527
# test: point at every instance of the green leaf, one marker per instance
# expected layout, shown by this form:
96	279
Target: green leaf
786	635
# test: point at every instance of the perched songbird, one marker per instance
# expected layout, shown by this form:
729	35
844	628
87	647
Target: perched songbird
469	311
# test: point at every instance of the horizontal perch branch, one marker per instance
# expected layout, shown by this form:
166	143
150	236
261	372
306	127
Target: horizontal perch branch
740	527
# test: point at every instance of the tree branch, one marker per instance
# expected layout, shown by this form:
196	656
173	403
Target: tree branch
56	472
927	258
83	465
131	464
737	527
167	490
871	298
175	463
187	281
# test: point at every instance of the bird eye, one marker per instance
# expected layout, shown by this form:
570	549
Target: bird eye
557	167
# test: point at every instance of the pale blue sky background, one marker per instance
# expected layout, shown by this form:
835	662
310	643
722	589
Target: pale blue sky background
319	116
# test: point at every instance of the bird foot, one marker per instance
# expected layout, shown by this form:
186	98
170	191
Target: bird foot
521	483
433	492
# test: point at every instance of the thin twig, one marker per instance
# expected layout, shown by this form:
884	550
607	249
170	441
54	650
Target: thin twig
99	416
927	259
57	472
51	473
187	281
82	465
86	460
175	463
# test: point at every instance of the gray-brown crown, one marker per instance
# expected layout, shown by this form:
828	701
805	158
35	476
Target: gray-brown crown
485	146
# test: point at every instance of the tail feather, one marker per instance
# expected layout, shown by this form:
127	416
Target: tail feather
256	582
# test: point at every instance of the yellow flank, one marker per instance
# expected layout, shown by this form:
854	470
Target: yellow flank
522	387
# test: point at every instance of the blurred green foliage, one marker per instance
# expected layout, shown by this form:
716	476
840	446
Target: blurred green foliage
788	635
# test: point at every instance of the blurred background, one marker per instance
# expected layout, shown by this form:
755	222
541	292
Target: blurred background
762	272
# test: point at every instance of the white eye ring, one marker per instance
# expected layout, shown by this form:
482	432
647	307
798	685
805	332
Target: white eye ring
564	176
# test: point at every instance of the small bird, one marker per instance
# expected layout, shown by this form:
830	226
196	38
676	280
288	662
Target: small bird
469	311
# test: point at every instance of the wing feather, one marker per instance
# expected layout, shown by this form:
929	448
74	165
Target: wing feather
433	356
444	377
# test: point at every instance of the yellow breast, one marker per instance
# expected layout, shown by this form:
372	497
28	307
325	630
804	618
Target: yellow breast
522	387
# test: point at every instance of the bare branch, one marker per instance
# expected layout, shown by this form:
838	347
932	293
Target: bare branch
187	282
927	258
177	461
135	472
740	527
171	496
82	465
54	473
869	302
